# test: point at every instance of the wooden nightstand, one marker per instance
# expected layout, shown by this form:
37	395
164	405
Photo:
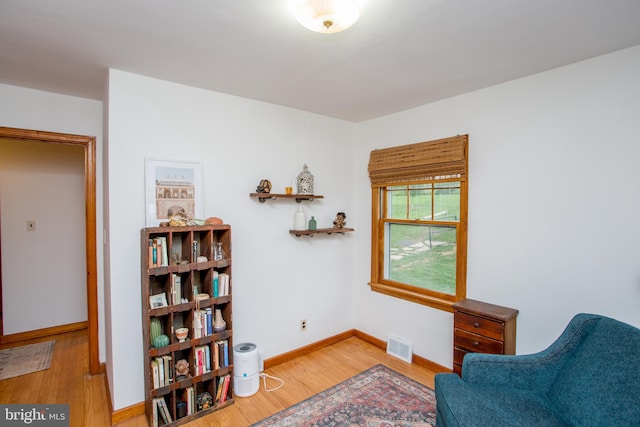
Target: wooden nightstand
479	327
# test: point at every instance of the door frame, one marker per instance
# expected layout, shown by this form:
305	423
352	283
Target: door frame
89	144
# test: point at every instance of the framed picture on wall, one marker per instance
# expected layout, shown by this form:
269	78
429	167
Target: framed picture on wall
172	187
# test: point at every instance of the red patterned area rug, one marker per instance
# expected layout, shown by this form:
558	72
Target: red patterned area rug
377	397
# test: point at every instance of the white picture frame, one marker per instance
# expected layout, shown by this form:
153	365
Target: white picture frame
170	186
159	300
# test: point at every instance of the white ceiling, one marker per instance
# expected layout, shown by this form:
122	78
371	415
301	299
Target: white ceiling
401	54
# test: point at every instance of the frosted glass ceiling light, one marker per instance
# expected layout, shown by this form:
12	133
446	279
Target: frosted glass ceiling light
326	16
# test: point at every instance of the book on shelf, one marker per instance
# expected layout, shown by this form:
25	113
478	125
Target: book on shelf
216	284
163	410
176	289
223	280
223	353
225	388
209	320
219	389
202	359
197	324
168	369
166	410
160	362
164	255
207	353
154	414
158	253
197	360
155	374
152	254
188	397
162	415
216	356
225	345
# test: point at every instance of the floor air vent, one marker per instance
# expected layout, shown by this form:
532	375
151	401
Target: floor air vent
400	348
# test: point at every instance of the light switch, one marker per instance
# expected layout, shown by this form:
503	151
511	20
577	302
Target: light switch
31	225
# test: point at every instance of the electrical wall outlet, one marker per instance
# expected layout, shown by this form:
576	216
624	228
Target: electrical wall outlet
303	325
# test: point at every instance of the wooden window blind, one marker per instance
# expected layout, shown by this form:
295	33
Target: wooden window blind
423	161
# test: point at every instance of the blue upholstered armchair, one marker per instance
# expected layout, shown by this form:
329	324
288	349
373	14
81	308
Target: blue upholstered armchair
590	376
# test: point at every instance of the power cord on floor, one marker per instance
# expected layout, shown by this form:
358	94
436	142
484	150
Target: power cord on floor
264	381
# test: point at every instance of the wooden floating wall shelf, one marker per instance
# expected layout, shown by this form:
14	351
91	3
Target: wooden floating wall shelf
263	197
310	233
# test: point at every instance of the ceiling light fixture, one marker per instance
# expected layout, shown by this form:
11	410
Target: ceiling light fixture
326	16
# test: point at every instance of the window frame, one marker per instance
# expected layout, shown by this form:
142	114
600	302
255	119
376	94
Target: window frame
420	295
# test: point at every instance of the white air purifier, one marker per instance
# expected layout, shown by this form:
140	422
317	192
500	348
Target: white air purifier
246	370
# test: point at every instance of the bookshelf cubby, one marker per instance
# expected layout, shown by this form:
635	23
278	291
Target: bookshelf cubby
183	286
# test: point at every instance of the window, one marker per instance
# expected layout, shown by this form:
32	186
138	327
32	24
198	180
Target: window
419	221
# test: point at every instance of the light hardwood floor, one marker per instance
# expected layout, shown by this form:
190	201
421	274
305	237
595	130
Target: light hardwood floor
68	381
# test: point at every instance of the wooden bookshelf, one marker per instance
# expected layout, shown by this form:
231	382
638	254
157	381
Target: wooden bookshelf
192	304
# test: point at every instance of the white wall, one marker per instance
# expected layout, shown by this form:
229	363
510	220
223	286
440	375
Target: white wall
33	109
278	279
553	201
43	268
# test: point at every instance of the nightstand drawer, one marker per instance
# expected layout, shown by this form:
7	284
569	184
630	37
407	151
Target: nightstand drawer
479	325
476	343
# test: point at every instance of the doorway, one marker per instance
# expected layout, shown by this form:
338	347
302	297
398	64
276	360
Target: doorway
89	145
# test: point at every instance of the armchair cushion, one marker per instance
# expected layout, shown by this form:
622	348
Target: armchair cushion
588	376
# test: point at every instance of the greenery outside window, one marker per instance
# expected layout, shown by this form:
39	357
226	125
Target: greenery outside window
419	221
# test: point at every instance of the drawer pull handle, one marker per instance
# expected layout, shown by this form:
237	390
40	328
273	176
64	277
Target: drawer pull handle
476	343
476	325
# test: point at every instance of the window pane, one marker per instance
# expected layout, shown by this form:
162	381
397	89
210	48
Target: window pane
397	202
446	201
420	202
422	256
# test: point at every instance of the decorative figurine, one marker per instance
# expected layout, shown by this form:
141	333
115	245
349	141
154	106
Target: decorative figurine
340	220
204	400
182	370
264	186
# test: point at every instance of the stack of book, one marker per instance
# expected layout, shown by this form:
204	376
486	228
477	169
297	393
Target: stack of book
160	408
158	256
202	358
162	371
189	398
176	289
221	353
202	322
220	284
223	388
